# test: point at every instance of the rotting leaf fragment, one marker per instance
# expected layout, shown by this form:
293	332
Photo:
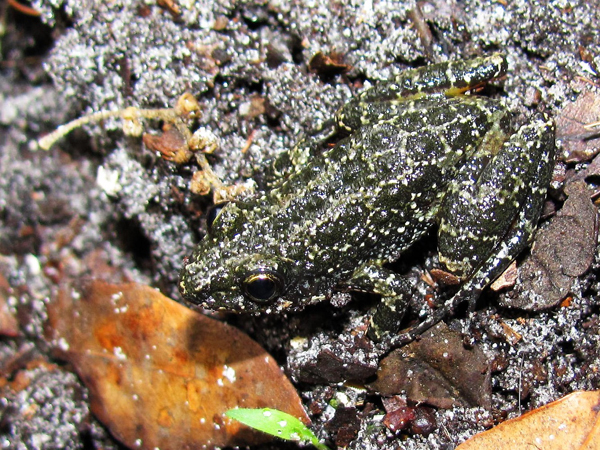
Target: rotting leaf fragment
161	375
437	370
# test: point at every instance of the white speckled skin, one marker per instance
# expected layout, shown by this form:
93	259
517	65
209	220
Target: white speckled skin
418	153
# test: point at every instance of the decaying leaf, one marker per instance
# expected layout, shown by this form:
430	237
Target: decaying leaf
336	362
567	424
591	170
344	425
562	252
580	144
437	370
161	375
171	144
253	108
9	326
507	279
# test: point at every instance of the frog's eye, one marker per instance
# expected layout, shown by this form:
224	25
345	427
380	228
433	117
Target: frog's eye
213	213
263	286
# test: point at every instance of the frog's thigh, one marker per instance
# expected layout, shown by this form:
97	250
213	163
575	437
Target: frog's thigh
395	292
490	217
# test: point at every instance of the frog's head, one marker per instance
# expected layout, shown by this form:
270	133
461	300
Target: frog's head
235	268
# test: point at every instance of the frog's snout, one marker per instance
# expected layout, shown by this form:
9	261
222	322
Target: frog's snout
192	286
202	286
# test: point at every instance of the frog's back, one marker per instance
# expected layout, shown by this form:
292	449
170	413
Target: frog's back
378	190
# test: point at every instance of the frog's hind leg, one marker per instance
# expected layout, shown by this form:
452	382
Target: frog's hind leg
490	216
511	189
449	79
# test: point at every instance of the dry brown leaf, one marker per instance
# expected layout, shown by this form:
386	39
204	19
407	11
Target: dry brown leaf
171	144
507	279
567	424
161	375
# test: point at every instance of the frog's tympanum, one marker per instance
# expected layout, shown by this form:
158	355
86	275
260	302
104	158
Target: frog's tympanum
418	153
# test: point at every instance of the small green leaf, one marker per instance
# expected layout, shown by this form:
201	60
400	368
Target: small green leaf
276	423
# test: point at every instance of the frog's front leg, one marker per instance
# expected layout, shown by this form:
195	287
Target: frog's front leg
395	292
300	154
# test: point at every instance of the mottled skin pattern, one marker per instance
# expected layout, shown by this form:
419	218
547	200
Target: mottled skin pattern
418	153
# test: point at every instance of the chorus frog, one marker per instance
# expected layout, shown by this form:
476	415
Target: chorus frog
418	152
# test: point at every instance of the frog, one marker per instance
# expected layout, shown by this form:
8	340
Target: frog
415	153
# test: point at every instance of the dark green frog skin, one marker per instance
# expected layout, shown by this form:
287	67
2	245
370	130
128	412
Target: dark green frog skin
418	153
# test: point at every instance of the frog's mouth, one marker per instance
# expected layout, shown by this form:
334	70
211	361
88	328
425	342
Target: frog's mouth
239	303
229	301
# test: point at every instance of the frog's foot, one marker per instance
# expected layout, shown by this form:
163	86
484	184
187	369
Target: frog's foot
395	292
392	341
